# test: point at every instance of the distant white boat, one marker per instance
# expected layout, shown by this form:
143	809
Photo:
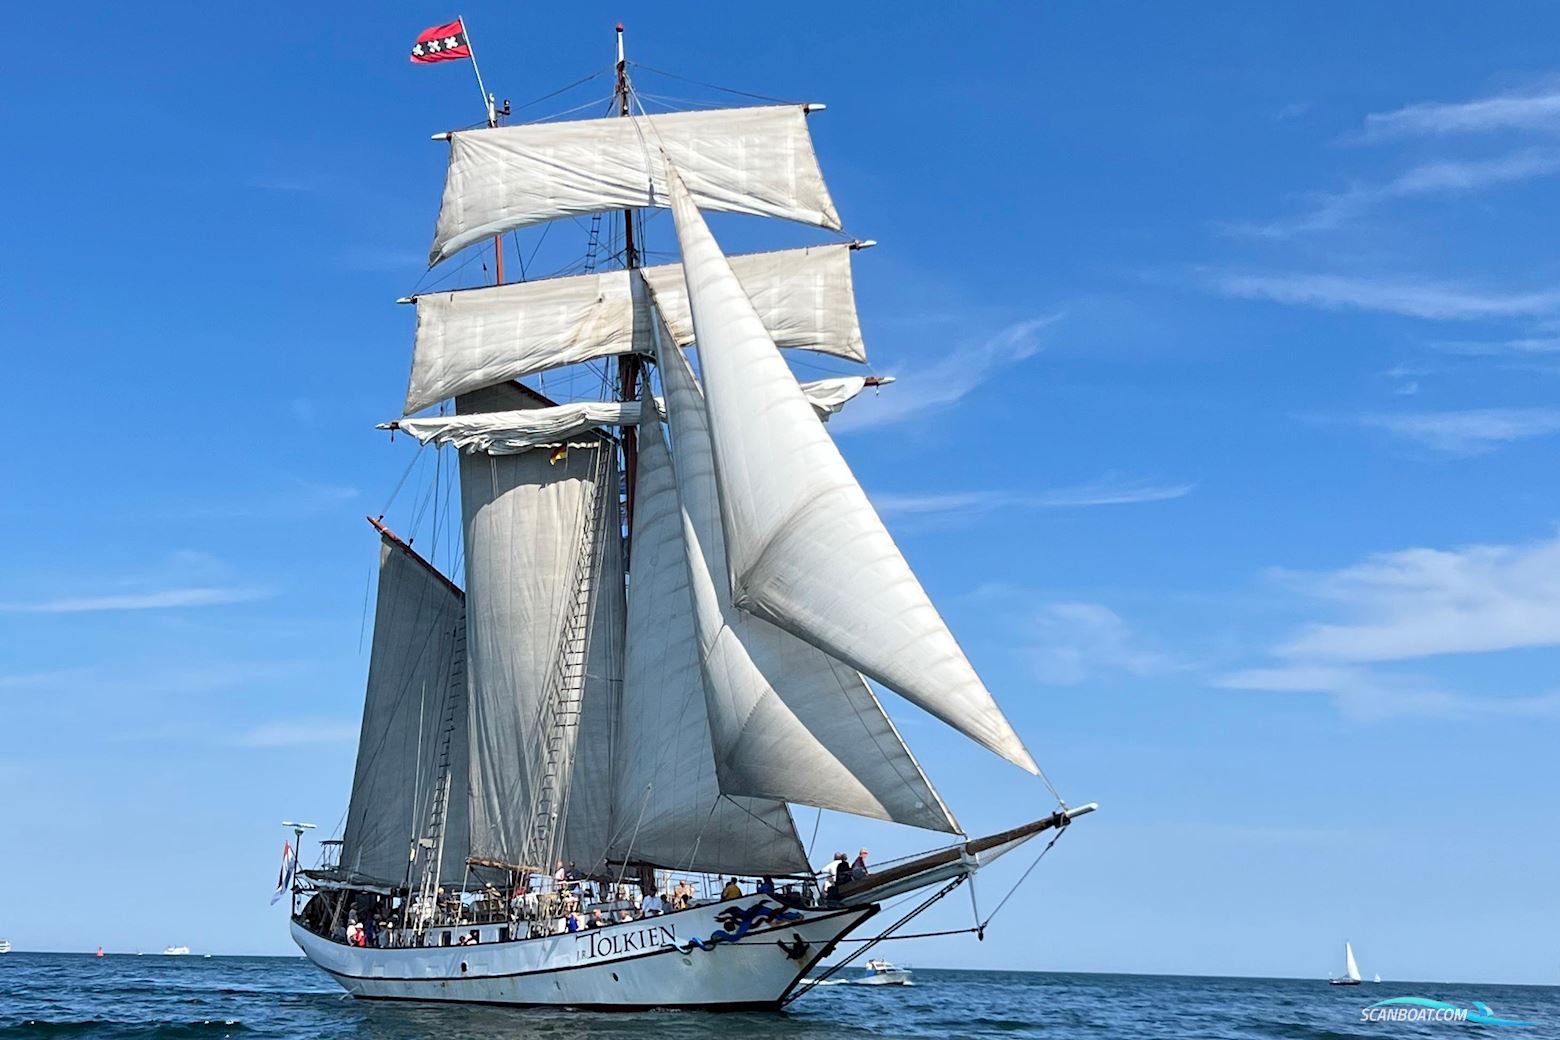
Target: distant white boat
5	946
1351	976
177	951
1377	978
882	973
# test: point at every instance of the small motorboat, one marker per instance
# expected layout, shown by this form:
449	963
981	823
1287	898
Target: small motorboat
176	951
882	973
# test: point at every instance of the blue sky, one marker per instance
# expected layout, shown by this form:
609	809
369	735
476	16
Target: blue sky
1228	347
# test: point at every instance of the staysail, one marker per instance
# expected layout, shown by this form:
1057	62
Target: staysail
807	551
1351	967
414	704
668	806
471	338
741	160
787	721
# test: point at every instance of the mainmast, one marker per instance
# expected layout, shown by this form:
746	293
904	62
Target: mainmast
629	364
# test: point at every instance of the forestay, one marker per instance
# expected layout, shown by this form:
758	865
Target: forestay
807	551
741	160
472	338
418	617
668	807
787	721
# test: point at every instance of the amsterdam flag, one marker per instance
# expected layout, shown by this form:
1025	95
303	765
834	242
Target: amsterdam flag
441	43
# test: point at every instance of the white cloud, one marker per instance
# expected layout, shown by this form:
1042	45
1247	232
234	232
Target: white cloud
1074	641
1409	297
943	382
161	599
1372	696
1108	490
1471	432
1443	177
1423	602
299	732
1521	346
1413	605
1536	108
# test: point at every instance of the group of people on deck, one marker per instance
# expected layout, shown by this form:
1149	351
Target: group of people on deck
840	870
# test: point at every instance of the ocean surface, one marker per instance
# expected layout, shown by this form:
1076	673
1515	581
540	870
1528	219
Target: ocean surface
122	996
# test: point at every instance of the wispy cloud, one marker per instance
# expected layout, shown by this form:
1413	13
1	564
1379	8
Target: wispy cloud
160	599
1470	432
1372	696
1107	490
1406	296
1444	177
1424	602
1536	107
1412	605
1070	642
1523	346
933	385
299	733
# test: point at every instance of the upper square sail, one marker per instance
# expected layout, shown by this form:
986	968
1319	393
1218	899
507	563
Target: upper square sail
741	160
806	549
471	338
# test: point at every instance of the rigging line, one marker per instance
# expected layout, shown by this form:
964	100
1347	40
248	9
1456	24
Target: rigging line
562	90
400	483
569	111
812	842
1023	877
711	86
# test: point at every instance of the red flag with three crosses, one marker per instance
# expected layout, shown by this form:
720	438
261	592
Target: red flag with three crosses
441	43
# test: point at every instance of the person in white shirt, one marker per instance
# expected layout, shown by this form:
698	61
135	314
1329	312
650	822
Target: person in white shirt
653	905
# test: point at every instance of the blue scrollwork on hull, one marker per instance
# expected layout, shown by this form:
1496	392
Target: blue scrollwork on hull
737	921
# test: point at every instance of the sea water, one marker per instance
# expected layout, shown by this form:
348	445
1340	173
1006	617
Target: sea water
124	996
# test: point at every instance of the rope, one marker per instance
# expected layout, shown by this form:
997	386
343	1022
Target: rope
711	86
1023	877
810	984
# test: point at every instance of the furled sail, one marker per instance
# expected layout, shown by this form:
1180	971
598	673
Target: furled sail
668	808
508	432
786	720
807	551
740	160
517	430
416	701
472	338
529	519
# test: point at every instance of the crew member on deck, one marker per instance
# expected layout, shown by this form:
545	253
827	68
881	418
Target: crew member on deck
732	890
858	869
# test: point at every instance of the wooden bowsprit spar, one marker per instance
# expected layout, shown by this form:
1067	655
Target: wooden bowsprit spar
957	861
953	866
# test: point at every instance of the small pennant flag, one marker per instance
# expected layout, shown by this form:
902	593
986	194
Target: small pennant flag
441	43
285	878
559	454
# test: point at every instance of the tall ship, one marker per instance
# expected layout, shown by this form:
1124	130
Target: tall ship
582	738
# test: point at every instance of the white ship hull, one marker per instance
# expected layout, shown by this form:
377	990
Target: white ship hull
635	965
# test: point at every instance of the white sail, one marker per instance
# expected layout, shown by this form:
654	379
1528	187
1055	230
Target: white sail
508	432
668	807
415	693
525	519
471	338
787	721
740	160
1352	969
517	430
807	550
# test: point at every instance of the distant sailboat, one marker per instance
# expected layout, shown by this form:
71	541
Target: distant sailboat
100	951
1351	975
1377	978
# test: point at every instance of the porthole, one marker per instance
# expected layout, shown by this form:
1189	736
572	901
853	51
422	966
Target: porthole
462	966
614	976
